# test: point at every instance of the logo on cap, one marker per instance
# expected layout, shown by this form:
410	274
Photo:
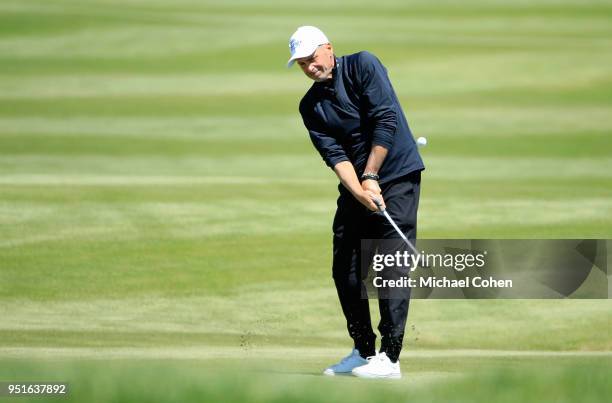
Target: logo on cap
293	44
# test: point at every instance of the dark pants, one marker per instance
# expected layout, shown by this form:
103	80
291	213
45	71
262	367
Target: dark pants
352	223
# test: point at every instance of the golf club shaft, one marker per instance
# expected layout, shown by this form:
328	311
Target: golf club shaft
394	225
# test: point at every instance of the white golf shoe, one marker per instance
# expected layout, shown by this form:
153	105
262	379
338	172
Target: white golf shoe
379	366
346	365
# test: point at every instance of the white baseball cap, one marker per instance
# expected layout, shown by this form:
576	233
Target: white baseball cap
304	42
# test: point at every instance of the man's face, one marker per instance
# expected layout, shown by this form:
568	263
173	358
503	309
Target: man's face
319	65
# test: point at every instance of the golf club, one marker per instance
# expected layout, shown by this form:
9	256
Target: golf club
421	142
394	225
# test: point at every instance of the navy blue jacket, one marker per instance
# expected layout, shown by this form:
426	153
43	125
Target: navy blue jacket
355	110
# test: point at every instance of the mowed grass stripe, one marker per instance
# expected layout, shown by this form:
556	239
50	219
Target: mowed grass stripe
152	180
487	123
162	189
441	173
88	86
144	222
263	59
236	128
360	7
177	220
117	40
479	72
249	310
463	19
493	214
580	95
160	265
295	142
129	40
117	146
583	379
308	166
202	353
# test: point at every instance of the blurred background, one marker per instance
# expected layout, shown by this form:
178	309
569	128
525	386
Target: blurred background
164	219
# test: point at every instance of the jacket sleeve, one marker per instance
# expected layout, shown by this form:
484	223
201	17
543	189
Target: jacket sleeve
329	148
377	99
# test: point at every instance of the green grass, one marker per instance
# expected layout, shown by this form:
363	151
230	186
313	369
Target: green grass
188	380
165	224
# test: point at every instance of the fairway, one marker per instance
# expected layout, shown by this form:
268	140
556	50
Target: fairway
165	222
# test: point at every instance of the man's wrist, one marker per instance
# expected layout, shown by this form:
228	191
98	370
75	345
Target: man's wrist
369	176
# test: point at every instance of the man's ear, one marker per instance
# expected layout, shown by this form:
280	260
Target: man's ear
331	50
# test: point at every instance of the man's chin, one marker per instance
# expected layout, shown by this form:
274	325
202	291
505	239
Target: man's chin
320	79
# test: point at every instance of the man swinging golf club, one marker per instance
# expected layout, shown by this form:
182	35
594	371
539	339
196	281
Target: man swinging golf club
356	123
